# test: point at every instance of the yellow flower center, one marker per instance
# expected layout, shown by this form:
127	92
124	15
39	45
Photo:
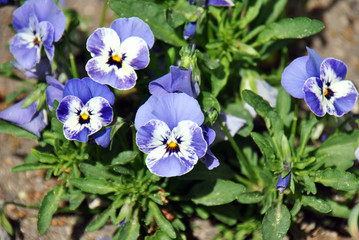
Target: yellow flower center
172	147
84	116
116	58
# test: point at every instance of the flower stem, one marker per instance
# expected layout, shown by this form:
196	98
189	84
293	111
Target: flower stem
343	124
240	155
295	118
103	15
72	58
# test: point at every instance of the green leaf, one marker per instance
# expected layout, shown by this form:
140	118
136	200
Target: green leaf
338	210
262	107
210	106
130	230
265	145
124	157
9	128
252	12
48	207
76	198
161	221
341	146
289	28
276	223
227	214
93	185
44	157
153	14
100	220
250	197
96	171
219	76
283	108
337	179
353	222
30	166
316	203
5	224
216	192
306	128
309	185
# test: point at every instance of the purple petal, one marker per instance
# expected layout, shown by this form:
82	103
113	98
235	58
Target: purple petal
294	76
99	90
121	78
47	37
219	3
345	96
133	27
210	160
25	51
190	30
178	80
18	115
313	89
68	107
151	136
136	52
53	92
81	136
170	108
102	42
209	134
77	87
169	165
283	182
314	62
333	70
39	71
102	137
101	109
36	125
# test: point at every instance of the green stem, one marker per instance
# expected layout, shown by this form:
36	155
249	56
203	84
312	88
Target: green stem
243	180
72	57
103	15
23	205
240	155
295	119
343	124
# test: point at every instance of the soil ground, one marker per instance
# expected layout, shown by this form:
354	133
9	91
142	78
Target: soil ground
340	40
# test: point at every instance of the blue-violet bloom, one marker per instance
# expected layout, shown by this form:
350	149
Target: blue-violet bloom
37	23
219	3
85	108
55	91
178	80
321	83
232	123
190	30
209	159
39	71
118	51
169	132
3	1
26	118
282	183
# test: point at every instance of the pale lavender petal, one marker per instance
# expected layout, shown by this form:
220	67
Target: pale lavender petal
36	125
209	134
25	51
47	36
268	92
210	160
170	108
53	92
313	90
18	115
68	108
81	135
135	52
121	78
314	62
161	85
100	109
102	137
103	42
168	165
151	135
345	96
133	27
219	3
333	70
40	70
294	76
77	87
99	90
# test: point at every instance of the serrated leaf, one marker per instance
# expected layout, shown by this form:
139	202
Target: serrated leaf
124	157
340	146
276	222
48	207
250	197
44	157
309	185
216	192
289	28
161	221
153	14
93	185
9	128
316	203
337	179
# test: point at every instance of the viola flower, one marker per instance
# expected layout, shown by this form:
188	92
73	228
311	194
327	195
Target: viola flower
178	80
209	159
39	71
321	83
218	3
169	132
118	51
54	91
283	182
190	30
26	118
85	108
232	123
37	23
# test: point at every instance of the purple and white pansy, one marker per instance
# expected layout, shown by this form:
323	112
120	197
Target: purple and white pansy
118	51
169	132
85	109
321	83
37	23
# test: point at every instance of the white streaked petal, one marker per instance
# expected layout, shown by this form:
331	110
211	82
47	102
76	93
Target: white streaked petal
136	52
103	42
